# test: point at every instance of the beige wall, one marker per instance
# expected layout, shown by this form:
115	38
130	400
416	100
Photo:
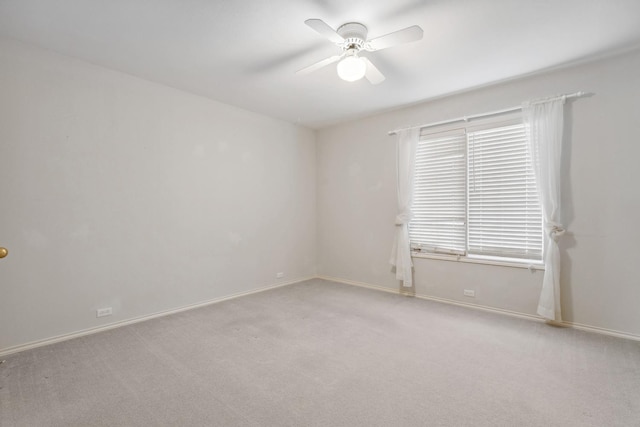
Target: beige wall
601	197
117	192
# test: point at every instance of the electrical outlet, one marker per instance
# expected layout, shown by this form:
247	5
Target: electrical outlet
279	275
101	312
469	293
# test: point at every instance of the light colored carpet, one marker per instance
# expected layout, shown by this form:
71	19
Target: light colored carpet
325	354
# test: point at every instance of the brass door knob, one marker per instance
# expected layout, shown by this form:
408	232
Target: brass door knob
3	252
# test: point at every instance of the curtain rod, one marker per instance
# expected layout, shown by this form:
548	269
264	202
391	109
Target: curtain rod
491	113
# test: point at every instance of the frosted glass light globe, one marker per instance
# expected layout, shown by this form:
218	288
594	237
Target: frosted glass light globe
351	68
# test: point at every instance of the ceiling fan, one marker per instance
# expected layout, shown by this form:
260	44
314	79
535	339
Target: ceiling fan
352	38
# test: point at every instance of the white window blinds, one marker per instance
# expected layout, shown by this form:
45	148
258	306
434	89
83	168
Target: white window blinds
475	193
439	201
504	217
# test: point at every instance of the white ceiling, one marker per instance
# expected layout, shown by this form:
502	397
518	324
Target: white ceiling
245	52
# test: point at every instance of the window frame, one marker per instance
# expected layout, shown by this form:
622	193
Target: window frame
472	125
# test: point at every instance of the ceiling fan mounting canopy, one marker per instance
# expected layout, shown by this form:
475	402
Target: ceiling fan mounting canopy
352	38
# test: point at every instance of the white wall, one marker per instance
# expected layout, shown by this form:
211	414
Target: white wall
118	192
600	284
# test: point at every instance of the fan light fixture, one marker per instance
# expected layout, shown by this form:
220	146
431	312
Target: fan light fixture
351	68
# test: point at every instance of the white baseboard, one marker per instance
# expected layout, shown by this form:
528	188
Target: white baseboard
536	318
65	337
81	333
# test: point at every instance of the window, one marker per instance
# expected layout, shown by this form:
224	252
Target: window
475	194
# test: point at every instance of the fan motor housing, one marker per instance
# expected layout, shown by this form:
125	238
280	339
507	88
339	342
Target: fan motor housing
354	34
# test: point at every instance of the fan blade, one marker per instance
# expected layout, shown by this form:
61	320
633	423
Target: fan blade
407	35
318	65
372	73
321	27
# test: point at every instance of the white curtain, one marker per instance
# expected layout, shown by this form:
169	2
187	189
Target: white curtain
405	159
544	123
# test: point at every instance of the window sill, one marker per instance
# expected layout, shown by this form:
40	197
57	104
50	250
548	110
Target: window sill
456	258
